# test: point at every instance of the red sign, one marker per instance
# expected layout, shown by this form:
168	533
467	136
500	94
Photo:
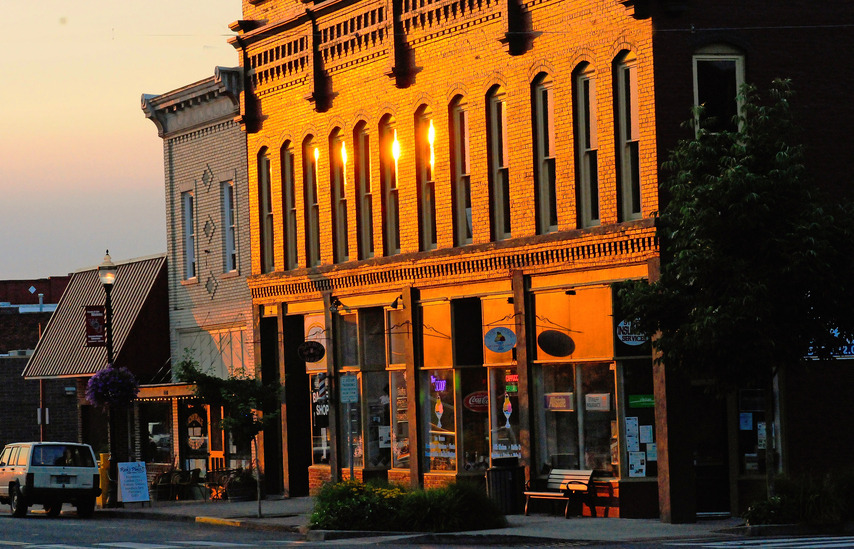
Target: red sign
95	326
477	401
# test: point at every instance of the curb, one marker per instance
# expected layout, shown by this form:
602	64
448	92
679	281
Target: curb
248	524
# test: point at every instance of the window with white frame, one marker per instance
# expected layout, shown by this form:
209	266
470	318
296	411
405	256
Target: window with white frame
718	76
265	206
425	135
497	156
310	156
189	226
544	151
338	195
586	147
389	156
229	227
364	200
289	208
459	124
627	127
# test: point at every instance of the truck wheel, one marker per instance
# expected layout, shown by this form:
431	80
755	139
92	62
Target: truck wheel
16	502
53	509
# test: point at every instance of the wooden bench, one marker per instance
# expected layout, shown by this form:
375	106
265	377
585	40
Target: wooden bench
568	484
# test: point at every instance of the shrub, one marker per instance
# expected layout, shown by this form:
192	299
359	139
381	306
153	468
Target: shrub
351	505
808	500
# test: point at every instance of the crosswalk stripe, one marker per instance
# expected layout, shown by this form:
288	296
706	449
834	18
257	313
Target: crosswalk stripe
817	542
134	545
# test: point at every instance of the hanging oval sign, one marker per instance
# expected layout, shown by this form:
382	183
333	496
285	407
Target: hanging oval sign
556	343
311	351
477	401
499	339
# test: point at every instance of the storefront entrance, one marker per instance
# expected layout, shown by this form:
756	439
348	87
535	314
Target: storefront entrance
711	451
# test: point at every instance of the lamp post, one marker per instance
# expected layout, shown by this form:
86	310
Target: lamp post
107	274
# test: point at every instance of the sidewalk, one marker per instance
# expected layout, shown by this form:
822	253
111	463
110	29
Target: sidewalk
292	515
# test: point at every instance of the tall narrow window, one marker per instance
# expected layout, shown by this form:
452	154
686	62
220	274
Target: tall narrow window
189	223
389	156
425	136
586	144
310	156
265	198
338	195
461	189
229	227
544	159
289	207
497	154
626	125
718	75
364	200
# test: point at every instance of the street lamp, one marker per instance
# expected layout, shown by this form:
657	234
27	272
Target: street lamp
107	274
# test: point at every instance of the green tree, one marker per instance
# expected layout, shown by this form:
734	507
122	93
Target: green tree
243	398
755	260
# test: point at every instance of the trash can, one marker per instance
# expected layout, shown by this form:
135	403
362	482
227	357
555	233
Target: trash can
505	485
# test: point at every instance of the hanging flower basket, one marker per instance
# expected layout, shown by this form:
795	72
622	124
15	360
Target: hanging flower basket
116	387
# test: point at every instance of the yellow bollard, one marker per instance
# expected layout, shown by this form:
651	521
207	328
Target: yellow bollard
104	471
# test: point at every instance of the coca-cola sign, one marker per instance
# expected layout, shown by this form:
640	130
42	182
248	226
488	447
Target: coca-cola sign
477	401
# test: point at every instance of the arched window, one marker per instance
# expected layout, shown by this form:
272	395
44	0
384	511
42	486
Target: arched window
425	135
586	146
542	99
389	156
265	206
310	156
627	136
338	196
497	156
289	208
364	195
460	167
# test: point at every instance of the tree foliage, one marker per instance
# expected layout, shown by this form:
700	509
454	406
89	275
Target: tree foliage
755	260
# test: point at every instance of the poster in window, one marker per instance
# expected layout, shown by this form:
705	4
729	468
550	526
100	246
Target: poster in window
637	464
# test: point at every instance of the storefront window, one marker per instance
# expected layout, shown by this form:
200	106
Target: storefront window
320	438
752	431
399	420
398	333
504	399
439	421
567	442
378	431
348	346
641	447
475	431
352	446
156	419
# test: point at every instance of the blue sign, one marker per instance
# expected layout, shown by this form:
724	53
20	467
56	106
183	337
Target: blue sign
499	339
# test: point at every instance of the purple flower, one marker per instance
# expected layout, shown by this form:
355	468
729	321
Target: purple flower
112	387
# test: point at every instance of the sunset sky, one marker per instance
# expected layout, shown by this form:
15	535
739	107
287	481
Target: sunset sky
81	168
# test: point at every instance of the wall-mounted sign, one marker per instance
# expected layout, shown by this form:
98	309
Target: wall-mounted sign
597	402
477	401
311	351
627	334
641	401
499	339
556	343
349	389
560	402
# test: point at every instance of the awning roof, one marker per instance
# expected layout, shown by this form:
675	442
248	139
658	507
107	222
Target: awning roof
62	350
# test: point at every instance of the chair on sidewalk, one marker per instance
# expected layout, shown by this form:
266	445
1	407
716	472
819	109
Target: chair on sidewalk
186	484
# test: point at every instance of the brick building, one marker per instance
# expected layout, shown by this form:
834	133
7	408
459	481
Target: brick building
441	196
210	313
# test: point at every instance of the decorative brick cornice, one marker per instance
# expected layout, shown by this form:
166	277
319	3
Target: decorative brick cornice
599	247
